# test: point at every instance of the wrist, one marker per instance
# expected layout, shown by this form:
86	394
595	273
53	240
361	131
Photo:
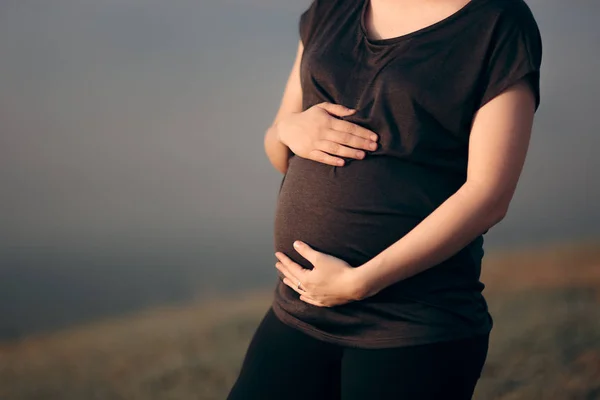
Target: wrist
363	280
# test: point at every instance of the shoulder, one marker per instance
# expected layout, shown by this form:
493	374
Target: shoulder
316	8
321	8
318	12
510	23
313	4
515	8
512	47
511	14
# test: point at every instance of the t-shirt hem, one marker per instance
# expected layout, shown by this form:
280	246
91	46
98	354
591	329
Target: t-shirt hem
373	343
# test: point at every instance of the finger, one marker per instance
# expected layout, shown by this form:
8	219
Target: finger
295	269
307	252
336	109
339	150
311	301
294	285
349	139
349	127
286	273
320	156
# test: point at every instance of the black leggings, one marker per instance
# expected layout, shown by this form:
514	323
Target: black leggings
284	363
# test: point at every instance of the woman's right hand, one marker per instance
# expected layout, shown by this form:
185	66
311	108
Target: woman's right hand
317	135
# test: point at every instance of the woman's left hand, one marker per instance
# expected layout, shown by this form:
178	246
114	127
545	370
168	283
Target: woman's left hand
331	282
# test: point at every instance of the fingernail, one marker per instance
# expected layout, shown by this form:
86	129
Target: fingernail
374	137
296	244
373	146
359	154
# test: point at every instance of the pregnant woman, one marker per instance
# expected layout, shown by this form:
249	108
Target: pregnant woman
401	136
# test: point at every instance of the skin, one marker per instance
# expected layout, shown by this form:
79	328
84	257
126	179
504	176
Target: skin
498	144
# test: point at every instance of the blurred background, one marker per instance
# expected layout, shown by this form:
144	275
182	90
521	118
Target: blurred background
136	201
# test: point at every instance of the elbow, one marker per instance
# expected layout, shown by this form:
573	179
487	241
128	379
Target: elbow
500	214
494	206
281	168
497	213
501	205
491	218
277	157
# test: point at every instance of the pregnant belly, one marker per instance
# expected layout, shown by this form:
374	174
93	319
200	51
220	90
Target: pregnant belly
356	211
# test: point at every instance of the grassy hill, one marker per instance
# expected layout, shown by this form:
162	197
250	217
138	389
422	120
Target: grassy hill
545	343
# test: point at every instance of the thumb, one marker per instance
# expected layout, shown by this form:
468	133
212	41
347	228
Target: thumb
306	251
336	109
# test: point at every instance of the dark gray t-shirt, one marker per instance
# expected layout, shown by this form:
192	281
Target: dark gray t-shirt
419	92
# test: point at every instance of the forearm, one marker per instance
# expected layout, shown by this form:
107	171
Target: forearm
448	229
277	152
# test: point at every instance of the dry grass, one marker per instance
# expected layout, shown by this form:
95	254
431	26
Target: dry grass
545	344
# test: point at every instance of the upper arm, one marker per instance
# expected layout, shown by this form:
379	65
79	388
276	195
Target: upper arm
307	24
510	95
499	141
292	96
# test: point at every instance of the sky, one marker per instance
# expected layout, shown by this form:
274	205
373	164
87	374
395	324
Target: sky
132	168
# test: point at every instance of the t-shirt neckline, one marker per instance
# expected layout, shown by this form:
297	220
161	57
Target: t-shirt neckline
457	14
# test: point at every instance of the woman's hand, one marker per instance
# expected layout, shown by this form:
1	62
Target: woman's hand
317	135
331	282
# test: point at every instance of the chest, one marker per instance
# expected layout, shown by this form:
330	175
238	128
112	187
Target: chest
386	20
435	75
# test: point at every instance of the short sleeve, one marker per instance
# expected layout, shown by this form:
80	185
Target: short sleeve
515	53
307	22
